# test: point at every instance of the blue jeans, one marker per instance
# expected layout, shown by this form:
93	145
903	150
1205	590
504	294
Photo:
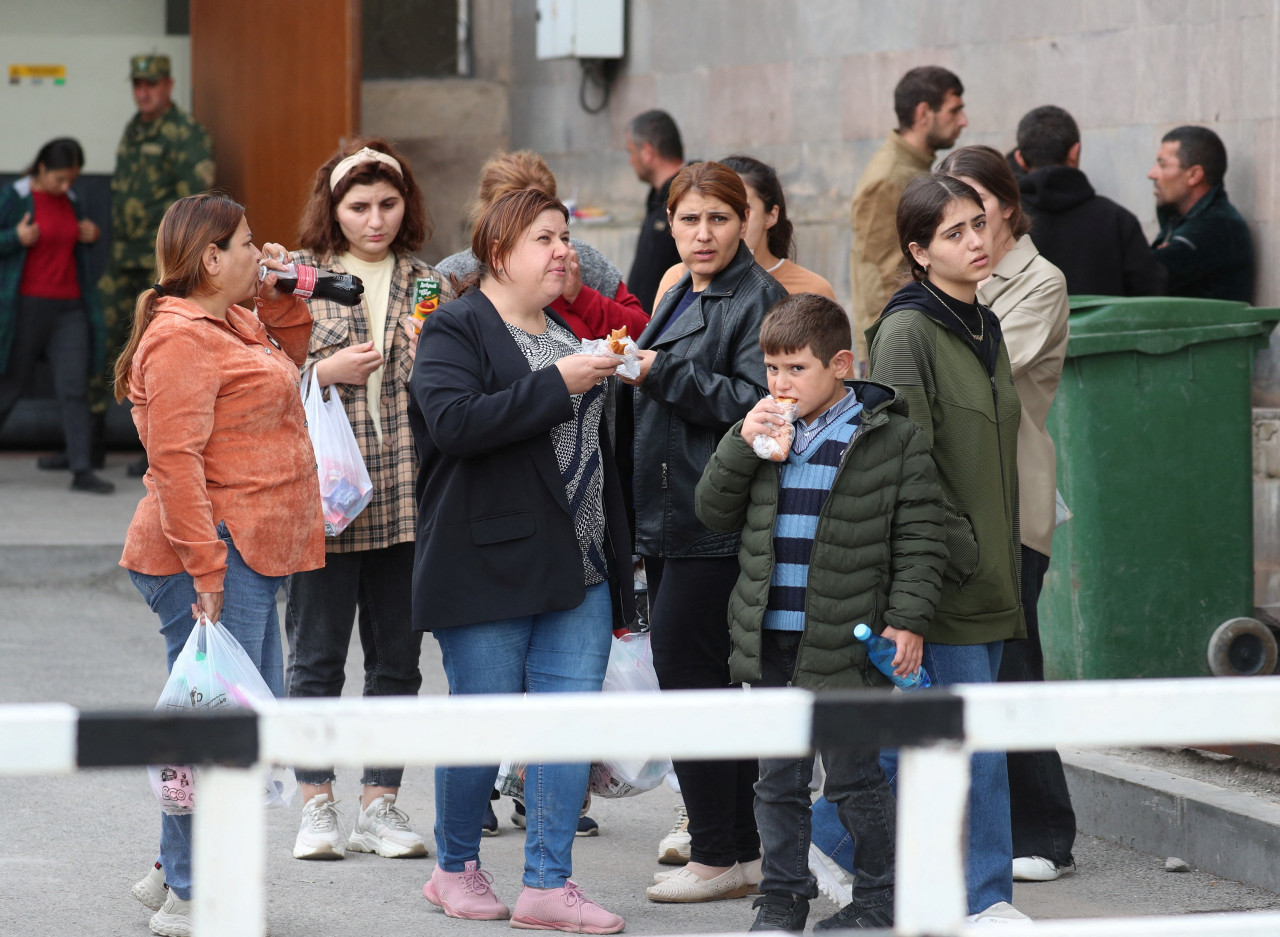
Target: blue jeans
989	863
552	652
249	613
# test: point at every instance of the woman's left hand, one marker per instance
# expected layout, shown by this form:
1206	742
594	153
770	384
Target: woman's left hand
910	650
646	357
88	231
274	257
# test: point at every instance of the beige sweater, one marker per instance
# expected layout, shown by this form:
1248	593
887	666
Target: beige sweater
1029	295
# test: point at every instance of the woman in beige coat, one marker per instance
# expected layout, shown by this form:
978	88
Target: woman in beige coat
1029	295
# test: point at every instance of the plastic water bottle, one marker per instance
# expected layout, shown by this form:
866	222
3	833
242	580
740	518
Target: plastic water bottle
882	651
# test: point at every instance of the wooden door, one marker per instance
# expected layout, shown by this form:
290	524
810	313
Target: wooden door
277	84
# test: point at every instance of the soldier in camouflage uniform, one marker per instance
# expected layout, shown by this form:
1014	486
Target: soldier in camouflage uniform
163	156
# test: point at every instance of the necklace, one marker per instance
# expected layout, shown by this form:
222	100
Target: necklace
777	265
982	325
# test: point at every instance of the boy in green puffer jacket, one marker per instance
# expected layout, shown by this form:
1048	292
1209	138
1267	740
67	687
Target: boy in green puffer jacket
846	528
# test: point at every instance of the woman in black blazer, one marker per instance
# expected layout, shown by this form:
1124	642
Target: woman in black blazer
523	554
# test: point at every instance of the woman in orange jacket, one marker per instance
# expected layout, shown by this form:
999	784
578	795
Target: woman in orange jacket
232	502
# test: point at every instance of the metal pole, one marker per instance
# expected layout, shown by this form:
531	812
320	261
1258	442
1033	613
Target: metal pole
933	790
229	853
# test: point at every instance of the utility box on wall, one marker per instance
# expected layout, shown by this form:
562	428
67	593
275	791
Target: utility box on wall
583	29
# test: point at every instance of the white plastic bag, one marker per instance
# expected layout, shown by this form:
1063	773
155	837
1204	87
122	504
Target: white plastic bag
212	672
629	359
345	486
630	670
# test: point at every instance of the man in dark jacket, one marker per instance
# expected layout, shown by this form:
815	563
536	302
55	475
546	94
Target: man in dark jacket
1098	245
657	154
1203	241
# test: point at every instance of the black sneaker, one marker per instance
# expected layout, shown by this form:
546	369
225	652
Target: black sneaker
851	918
780	912
587	827
95	484
490	825
517	815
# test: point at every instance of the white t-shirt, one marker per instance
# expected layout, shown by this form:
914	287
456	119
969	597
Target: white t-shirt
377	291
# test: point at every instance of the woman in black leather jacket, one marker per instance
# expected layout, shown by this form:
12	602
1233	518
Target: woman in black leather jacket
702	370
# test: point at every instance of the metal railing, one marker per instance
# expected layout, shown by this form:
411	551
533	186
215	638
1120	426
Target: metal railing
937	731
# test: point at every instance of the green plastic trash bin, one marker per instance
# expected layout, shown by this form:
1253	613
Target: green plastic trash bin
1153	429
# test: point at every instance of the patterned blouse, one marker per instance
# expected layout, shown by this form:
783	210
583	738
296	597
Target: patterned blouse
577	446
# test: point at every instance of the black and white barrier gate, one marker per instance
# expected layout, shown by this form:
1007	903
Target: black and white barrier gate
936	730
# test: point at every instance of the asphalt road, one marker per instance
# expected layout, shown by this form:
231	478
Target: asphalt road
73	630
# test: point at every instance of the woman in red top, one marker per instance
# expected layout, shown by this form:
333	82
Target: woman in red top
48	306
232	503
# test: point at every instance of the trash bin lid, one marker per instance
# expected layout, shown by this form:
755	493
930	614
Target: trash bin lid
1160	325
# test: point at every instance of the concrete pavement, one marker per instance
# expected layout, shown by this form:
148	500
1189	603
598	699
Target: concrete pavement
72	629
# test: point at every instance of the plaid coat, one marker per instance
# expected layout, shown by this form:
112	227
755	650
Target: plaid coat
392	513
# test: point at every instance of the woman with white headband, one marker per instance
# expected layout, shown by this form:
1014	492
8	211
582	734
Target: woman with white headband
365	216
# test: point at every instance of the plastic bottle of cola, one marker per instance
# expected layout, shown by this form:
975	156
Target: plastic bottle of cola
881	651
306	282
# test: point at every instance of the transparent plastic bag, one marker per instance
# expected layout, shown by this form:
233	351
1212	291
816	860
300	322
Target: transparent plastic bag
345	486
212	672
776	448
629	358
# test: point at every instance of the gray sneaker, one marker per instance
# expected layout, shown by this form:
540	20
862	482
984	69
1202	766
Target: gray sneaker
383	828
318	835
173	919
150	890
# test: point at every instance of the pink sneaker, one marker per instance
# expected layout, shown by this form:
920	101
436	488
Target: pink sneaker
465	894
566	909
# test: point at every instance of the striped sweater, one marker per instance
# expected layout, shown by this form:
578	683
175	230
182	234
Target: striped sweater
805	481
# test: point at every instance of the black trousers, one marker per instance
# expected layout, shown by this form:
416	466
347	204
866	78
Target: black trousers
688	603
318	622
58	330
1040	805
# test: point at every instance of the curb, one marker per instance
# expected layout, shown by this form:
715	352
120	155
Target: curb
1234	835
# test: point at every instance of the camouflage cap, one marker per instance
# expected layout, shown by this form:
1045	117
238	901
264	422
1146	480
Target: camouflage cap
149	67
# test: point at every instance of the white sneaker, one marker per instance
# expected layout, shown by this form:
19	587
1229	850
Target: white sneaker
318	834
174	917
383	828
1000	914
150	890
832	880
673	849
1036	869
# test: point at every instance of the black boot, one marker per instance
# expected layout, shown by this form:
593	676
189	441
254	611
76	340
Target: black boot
87	481
139	468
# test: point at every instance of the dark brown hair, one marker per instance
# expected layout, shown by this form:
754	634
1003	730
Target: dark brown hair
764	179
988	165
920	211
928	83
319	231
510	172
714	180
498	230
189	226
806	320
